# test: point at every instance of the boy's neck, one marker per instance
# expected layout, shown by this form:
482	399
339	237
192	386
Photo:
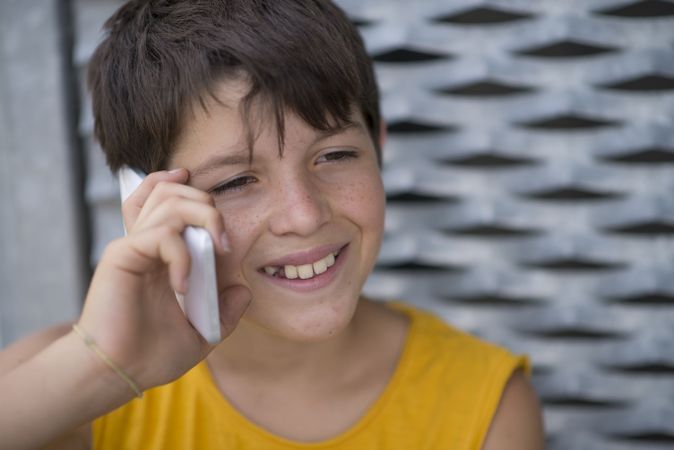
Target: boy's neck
253	352
290	389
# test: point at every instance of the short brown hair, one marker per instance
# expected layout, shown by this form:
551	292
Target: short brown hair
159	57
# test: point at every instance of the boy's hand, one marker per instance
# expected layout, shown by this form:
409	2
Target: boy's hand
131	310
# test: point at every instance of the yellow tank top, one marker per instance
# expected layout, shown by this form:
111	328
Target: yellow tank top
442	395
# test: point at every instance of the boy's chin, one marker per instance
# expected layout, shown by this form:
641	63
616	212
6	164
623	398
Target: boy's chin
318	324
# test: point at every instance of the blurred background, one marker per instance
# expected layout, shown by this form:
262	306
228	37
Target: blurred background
529	172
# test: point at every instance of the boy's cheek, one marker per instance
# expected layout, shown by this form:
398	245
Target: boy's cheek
229	271
242	231
366	198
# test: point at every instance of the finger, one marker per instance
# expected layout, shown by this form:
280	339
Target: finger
180	212
166	192
175	254
163	191
146	250
233	302
131	208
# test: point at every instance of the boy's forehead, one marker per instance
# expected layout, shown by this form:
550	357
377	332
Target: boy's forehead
226	95
230	94
225	104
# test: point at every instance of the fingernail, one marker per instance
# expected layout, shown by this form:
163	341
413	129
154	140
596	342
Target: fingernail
224	241
175	170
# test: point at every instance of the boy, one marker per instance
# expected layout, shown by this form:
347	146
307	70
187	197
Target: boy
259	121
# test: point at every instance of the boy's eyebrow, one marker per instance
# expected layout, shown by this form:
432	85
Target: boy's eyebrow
325	134
355	125
241	157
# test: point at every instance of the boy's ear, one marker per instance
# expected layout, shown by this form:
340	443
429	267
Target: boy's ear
382	134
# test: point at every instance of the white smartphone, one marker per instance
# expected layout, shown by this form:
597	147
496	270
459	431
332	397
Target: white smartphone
200	304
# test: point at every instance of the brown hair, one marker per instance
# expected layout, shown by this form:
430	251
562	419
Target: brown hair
160	57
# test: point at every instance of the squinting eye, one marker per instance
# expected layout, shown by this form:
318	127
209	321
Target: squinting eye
235	185
339	155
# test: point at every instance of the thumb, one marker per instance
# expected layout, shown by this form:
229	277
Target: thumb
233	303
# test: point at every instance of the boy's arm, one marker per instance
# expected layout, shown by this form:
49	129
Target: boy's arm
51	387
517	424
22	350
133	334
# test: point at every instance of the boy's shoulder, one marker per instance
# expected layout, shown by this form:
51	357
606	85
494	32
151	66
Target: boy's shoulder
449	378
431	340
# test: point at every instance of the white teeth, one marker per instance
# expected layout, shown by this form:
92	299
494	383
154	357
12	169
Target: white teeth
320	266
305	271
290	272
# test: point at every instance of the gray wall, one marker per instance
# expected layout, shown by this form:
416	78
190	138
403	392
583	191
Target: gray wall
42	271
530	171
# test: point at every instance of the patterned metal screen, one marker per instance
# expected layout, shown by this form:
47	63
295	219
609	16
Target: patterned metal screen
530	172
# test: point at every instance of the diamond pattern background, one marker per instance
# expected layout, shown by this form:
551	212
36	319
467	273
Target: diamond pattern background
529	171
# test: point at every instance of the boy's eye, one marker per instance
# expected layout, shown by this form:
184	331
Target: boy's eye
339	155
233	185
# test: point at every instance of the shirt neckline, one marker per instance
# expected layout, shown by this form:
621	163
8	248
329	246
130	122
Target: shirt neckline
372	412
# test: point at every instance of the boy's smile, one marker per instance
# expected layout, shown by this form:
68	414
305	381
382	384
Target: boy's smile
305	227
306	271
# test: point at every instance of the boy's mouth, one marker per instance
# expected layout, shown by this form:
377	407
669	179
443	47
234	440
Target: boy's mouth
304	271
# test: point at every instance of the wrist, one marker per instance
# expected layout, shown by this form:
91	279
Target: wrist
96	377
109	362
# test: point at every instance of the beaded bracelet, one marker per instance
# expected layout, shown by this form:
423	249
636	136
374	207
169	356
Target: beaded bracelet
89	341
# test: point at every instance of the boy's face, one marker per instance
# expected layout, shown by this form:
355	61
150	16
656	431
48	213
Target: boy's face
304	229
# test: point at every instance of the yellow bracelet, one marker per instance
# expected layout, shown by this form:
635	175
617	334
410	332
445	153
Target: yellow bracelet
89	341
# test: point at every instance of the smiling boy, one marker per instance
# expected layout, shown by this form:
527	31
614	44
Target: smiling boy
259	121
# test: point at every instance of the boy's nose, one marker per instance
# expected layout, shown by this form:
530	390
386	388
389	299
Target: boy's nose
299	207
